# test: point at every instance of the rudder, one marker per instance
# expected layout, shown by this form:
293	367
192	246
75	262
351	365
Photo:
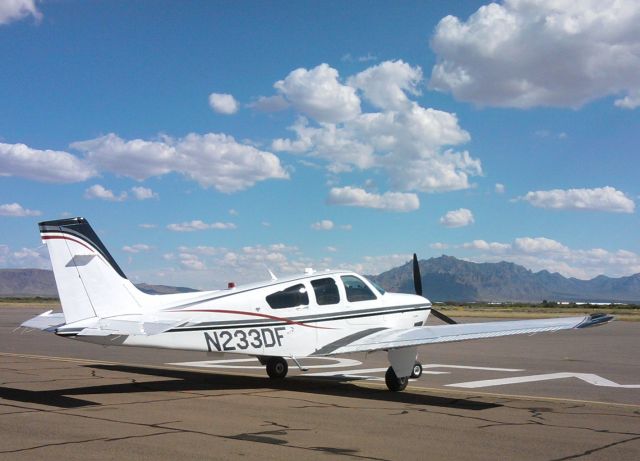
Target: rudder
90	283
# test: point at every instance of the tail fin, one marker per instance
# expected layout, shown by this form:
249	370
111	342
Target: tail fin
90	283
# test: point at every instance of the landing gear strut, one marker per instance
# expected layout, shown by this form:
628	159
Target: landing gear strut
393	382
277	367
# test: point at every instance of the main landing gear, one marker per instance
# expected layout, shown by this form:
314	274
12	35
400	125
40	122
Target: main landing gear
277	367
397	384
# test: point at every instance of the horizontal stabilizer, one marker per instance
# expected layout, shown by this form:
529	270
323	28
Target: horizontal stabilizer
132	325
48	321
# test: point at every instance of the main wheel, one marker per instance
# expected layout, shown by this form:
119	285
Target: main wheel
394	383
416	371
277	368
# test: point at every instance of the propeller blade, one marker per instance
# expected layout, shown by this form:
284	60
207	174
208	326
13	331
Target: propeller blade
443	317
417	279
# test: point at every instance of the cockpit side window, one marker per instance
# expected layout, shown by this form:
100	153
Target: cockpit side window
293	296
326	291
356	289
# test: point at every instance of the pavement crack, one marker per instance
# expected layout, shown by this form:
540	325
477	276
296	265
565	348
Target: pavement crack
594	450
54	444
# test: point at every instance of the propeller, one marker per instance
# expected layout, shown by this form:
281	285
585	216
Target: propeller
417	283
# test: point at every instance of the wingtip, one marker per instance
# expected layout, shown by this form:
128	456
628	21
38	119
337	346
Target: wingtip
594	320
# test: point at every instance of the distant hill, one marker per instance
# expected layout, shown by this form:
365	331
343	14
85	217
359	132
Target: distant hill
162	289
27	282
37	282
450	279
443	279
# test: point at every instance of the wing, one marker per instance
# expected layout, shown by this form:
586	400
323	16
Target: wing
377	339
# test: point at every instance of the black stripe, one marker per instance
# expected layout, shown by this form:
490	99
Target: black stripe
329	348
265	323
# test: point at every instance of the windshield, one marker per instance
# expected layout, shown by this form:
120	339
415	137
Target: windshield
377	287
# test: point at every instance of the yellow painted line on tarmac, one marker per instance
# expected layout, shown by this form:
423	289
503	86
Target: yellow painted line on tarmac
364	384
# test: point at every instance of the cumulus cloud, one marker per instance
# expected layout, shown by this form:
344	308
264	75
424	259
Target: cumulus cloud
98	191
541	253
211	267
408	145
15	10
457	218
137	248
15	209
212	160
364	58
386	84
223	103
43	165
325	224
538	245
599	199
318	93
216	266
389	201
631	101
198	225
527	53
274	103
413	145
143	193
37	258
484	245
376	264
499	188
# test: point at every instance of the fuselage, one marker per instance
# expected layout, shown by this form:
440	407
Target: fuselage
310	314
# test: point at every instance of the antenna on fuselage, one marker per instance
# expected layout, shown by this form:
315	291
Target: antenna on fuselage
271	274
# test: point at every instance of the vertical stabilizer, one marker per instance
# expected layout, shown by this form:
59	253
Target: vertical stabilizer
90	283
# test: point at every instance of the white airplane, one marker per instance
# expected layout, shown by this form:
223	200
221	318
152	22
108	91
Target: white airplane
311	315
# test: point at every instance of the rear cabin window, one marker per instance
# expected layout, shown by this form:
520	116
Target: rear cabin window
356	289
293	296
326	291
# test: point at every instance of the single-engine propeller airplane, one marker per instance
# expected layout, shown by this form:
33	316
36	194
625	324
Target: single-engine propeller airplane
311	315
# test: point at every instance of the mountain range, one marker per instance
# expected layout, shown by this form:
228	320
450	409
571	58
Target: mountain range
443	279
450	279
37	282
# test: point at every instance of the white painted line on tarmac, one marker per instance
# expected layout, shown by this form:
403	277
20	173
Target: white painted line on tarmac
587	377
349	373
466	367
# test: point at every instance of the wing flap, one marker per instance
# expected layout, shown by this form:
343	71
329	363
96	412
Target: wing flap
417	336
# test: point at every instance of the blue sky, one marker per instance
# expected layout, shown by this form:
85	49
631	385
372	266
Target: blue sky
207	141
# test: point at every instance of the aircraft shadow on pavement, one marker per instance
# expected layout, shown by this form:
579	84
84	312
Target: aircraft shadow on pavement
189	381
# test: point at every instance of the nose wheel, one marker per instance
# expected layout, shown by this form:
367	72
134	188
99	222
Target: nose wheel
277	367
416	371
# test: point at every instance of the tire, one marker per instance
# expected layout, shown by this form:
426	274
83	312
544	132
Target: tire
394	383
416	371
277	368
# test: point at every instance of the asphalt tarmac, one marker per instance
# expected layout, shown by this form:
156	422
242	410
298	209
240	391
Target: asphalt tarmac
560	396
